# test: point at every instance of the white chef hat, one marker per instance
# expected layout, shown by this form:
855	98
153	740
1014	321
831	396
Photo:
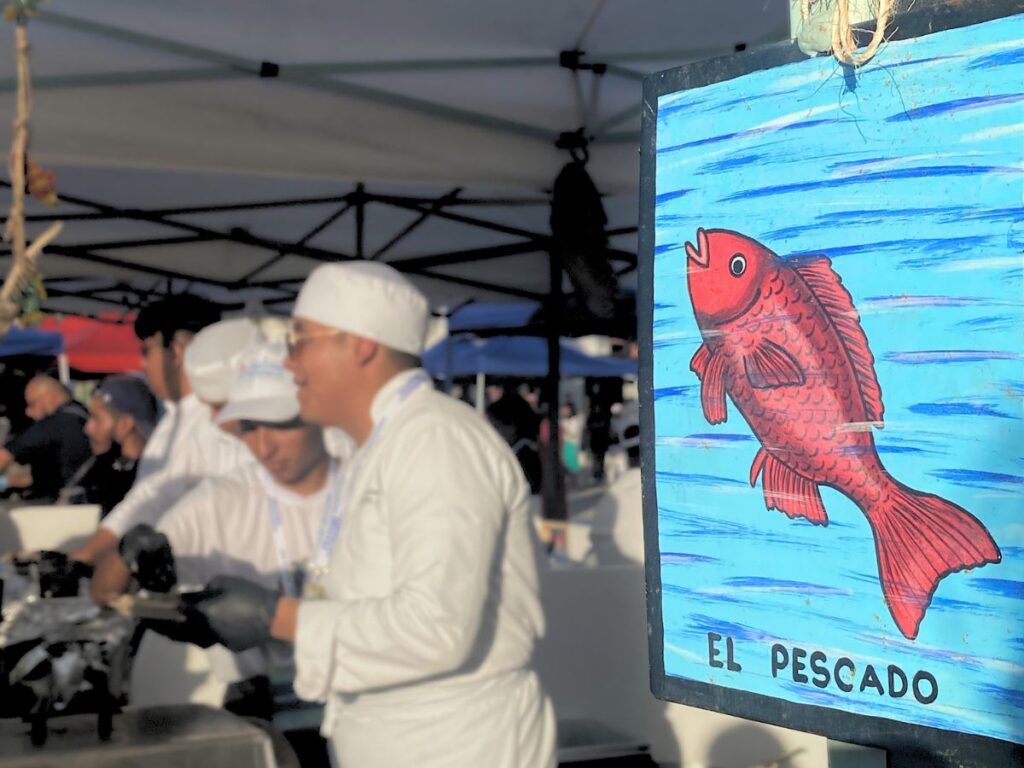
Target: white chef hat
212	356
368	299
262	390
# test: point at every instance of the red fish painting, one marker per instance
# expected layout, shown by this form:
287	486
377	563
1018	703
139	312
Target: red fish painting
783	340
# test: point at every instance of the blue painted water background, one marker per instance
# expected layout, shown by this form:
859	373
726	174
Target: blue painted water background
909	175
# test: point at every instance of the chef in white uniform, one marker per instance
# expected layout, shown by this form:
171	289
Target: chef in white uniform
206	450
421	611
165	328
200	448
259	522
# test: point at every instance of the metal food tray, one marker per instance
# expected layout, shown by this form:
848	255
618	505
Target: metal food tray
63	656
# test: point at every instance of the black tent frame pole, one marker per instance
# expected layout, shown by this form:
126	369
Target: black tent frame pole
553	477
358	198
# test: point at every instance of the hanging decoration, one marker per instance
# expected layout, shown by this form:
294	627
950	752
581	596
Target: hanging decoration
23	291
829	24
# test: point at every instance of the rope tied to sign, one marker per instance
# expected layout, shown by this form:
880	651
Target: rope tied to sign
23	283
844	44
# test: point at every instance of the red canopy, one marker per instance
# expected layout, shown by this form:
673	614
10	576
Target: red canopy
104	345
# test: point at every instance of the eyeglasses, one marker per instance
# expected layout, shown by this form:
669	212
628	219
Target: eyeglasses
296	339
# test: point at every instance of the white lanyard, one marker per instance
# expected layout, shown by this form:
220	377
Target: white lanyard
341	493
290	578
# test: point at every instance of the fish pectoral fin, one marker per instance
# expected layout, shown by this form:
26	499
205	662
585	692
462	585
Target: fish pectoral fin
758	465
787	491
769	365
699	361
710	368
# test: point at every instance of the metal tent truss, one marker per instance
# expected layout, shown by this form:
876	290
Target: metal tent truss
178	227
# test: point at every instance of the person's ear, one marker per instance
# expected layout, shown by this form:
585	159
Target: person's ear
177	350
366	350
123	427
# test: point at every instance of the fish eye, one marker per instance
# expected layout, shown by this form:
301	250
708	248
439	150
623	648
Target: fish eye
737	264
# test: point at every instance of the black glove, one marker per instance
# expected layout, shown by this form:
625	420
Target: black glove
237	612
147	553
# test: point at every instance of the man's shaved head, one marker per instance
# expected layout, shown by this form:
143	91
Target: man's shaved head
47	384
44	395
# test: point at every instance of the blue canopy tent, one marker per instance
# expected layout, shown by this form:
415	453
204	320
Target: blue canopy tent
486	318
524	356
520	356
528	318
29	341
548	321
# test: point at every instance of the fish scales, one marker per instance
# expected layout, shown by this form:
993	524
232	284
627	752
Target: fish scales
802	425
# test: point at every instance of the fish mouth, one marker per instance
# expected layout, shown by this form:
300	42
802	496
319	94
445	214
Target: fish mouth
701	255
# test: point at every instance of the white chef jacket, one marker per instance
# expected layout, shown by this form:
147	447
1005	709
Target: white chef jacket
423	646
223	527
158	446
617	534
200	449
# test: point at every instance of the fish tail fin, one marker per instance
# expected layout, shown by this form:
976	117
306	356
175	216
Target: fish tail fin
921	538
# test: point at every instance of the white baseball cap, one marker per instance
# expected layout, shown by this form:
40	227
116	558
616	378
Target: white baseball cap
262	389
211	359
369	299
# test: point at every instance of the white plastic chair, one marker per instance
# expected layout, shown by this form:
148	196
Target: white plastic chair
63	528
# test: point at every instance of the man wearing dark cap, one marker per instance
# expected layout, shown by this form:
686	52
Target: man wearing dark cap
122	415
54	447
166	328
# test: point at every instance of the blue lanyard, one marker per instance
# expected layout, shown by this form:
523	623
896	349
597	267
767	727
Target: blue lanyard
341	493
289	581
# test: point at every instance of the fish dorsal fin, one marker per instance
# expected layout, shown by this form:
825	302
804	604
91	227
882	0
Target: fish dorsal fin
828	288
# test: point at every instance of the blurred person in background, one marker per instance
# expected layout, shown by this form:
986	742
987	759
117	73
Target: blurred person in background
617	532
122	416
166	328
570	425
624	415
519	425
52	448
602	394
13	379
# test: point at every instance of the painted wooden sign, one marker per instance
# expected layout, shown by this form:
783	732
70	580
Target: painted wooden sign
835	360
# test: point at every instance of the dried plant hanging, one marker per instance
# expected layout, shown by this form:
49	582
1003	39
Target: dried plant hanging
841	36
23	290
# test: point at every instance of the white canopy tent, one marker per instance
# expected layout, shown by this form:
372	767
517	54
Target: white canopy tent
232	146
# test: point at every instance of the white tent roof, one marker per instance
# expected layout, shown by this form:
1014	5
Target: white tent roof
160	107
